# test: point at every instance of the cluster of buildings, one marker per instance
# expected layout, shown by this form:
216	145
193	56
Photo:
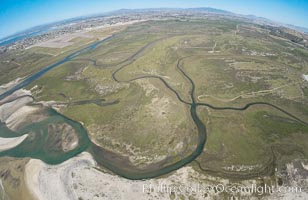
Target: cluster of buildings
84	23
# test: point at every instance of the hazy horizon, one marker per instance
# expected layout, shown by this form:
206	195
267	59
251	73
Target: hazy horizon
17	16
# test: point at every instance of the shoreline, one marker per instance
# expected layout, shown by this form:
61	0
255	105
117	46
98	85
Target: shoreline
9	143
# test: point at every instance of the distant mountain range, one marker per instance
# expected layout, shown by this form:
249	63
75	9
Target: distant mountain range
201	9
254	18
43	28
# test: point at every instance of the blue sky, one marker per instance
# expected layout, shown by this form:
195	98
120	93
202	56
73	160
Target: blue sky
17	15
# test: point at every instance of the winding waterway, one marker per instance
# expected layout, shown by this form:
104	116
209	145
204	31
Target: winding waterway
35	146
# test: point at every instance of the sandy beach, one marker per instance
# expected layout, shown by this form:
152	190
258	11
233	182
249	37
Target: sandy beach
8	143
77	178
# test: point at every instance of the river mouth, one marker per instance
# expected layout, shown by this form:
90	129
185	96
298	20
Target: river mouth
41	145
35	145
44	144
